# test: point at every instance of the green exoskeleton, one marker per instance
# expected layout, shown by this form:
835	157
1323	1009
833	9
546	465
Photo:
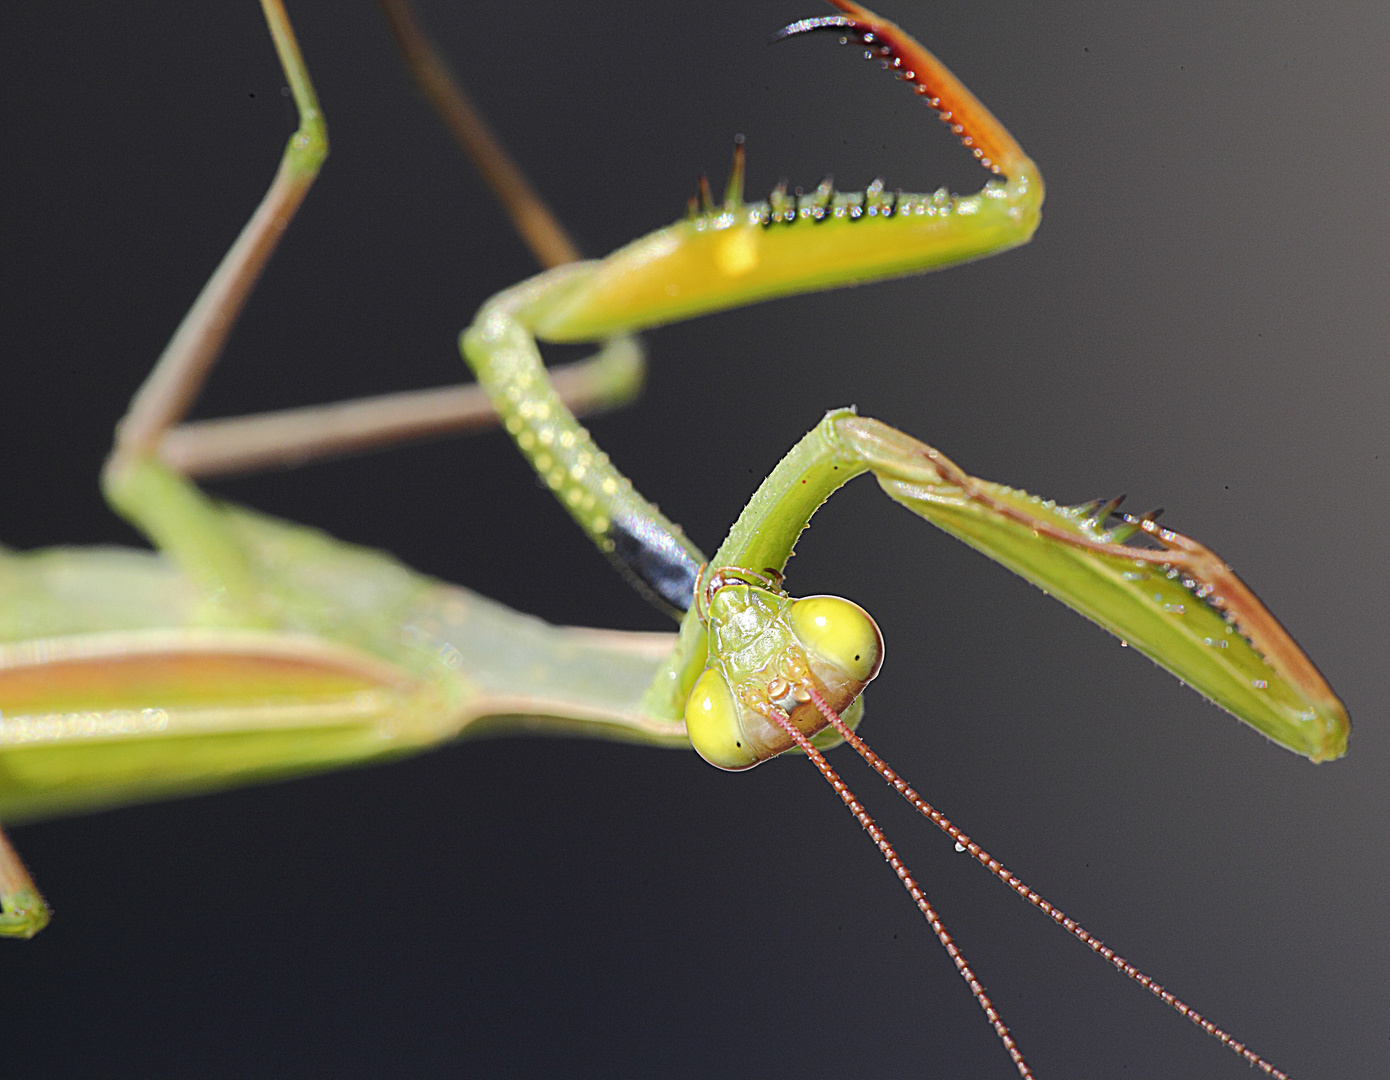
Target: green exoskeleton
253	648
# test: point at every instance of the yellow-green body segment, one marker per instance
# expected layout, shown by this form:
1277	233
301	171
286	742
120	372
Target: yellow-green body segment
251	648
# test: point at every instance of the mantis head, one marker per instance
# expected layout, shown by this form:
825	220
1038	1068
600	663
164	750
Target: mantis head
770	654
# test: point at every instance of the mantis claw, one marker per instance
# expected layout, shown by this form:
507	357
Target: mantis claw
723	255
1178	602
992	146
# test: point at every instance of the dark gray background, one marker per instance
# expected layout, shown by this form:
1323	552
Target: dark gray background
1201	322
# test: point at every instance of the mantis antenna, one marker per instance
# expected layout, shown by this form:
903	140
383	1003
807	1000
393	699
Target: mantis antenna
999	870
914	890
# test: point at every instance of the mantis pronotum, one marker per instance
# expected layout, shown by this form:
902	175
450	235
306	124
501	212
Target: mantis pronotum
943	377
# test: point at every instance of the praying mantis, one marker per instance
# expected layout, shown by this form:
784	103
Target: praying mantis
924	379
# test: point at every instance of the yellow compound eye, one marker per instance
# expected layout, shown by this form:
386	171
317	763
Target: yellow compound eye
839	632
711	722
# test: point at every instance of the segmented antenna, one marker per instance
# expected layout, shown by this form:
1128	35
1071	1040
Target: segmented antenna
914	890
999	870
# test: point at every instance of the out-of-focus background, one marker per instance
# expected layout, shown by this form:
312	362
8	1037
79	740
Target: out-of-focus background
1201	322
